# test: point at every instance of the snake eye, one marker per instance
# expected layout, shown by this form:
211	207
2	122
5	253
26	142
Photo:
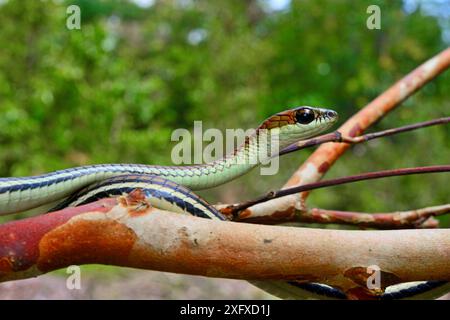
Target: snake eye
305	116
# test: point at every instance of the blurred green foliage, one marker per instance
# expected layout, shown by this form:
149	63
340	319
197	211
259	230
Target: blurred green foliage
114	90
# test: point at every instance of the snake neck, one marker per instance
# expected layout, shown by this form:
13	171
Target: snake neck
257	149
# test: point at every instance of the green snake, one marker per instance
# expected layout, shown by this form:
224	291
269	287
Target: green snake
169	188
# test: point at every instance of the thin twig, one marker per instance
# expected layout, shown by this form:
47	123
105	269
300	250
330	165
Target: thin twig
234	209
422	218
418	218
338	137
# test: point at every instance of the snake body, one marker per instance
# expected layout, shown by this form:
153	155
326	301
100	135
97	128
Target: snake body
284	128
169	188
160	192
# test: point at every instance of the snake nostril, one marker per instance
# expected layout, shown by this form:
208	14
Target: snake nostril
331	114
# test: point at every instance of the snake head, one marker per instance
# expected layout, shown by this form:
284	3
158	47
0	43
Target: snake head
299	123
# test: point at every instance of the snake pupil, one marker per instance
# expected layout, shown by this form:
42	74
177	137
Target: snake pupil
305	116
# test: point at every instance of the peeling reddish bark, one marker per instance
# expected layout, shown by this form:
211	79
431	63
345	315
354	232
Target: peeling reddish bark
20	240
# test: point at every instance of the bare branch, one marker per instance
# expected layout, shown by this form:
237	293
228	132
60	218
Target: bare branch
235	209
337	136
323	158
422	218
418	218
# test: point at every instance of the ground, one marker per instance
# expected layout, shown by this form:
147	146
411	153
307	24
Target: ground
124	283
132	284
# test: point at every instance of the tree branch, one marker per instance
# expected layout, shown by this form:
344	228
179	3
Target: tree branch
337	136
418	218
128	232
235	209
323	158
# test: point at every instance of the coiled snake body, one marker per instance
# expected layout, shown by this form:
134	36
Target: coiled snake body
169	187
